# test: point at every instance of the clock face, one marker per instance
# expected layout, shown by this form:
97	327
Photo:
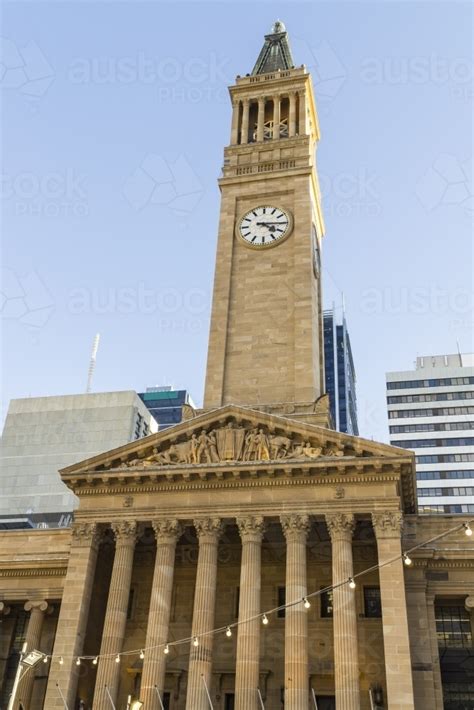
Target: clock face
264	226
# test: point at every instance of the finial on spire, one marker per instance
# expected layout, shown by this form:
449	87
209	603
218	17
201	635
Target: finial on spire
278	27
276	52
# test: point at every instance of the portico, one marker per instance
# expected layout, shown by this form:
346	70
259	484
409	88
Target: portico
222	519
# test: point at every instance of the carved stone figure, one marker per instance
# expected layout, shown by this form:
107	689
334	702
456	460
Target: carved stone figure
206	448
263	450
279	446
250	449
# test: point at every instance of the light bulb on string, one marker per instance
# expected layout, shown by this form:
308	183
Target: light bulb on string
142	655
228	631
406	559
61	661
78	662
117	658
265	620
467	529
196	641
352	584
306	603
166	649
95	661
45	659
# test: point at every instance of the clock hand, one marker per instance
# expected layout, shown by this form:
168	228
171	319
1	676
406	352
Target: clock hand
265	224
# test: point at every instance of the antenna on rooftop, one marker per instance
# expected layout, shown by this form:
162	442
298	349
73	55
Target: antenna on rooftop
95	347
459	353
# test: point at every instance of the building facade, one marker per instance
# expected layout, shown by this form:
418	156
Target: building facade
431	412
44	433
340	374
166	404
251	555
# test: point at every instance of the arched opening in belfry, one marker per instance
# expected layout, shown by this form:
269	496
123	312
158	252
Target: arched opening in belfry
253	122
268	120
284	117
297	114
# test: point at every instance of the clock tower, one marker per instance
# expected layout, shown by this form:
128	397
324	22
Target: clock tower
265	345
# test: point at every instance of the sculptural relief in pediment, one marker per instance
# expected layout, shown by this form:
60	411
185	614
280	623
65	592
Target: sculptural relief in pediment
232	442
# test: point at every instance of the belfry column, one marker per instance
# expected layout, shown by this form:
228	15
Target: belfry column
276	117
200	662
260	118
73	615
244	134
37	611
302	113
296	528
154	665
388	527
292	114
346	656
234	133
248	638
108	671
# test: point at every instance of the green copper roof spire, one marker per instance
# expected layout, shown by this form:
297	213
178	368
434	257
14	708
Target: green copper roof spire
276	52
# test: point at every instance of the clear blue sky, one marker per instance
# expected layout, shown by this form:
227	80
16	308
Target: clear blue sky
115	118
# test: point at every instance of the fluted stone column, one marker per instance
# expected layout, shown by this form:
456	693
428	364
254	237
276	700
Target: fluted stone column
346	656
396	641
295	528
292	114
200	662
248	637
260	118
37	611
276	116
234	133
108	671
73	615
154	665
302	113
244	133
437	681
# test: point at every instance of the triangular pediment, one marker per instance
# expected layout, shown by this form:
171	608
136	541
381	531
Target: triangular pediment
234	434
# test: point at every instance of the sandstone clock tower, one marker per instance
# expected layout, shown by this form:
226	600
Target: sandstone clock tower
265	344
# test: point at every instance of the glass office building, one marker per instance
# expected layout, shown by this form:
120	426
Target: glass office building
340	373
166	404
431	411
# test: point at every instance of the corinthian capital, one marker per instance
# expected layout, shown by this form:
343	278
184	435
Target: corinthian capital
340	524
208	529
167	530
388	523
125	531
85	533
295	526
251	528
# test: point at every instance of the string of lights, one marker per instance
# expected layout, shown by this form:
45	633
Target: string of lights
265	615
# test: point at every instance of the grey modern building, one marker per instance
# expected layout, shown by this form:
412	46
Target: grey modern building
431	411
340	373
44	434
166	404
